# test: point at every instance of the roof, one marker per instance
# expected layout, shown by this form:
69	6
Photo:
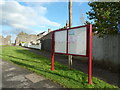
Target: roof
41	33
47	36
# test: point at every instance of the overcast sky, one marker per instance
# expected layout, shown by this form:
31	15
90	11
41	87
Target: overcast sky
35	17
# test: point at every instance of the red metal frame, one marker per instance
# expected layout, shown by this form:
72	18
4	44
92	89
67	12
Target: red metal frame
59	30
71	54
53	52
88	48
67	43
67	40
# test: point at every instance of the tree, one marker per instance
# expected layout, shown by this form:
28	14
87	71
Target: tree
104	16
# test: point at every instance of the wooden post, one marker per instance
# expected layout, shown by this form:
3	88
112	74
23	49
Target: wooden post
70	13
70	25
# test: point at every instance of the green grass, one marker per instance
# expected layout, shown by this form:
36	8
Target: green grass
41	65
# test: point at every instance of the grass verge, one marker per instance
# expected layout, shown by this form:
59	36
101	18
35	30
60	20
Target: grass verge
41	65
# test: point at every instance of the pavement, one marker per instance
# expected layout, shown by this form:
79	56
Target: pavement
15	77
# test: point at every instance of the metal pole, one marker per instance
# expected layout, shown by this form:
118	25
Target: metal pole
52	56
90	56
70	25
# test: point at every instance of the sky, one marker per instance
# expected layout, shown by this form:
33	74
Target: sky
36	17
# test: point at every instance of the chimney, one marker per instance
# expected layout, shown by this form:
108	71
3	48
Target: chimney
49	30
67	25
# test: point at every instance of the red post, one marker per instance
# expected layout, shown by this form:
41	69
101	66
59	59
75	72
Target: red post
52	54
67	43
90	56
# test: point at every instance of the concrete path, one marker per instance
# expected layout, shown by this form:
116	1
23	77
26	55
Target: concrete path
14	76
107	76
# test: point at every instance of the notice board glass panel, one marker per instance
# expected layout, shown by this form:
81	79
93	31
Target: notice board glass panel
60	41
77	41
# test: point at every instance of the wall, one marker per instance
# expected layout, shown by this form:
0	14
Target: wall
35	46
107	48
26	38
46	43
5	40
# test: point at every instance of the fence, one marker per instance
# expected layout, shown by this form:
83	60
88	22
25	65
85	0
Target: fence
32	46
107	48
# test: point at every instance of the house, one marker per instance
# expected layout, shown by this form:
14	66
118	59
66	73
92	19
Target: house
46	41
